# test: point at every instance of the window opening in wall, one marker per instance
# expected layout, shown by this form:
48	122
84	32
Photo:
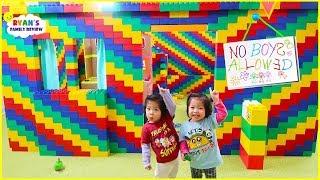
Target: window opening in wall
94	64
49	65
90	63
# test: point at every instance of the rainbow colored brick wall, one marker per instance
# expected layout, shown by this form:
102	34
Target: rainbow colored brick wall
159	70
190	59
61	63
292	126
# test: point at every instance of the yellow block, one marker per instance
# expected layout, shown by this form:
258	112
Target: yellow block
220	85
71	65
254	148
179	14
258	114
100	154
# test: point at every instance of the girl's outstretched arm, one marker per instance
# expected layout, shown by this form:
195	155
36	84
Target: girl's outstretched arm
219	106
168	100
222	112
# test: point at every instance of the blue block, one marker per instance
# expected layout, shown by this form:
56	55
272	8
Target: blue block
49	3
54	9
129	6
308	5
307	55
64	153
229	5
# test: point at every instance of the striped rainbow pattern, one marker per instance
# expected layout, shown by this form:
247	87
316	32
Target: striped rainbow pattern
190	59
61	63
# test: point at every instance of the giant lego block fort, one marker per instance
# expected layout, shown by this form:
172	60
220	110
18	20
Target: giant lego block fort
72	121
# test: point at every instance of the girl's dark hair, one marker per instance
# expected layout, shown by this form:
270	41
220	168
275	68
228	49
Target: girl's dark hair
205	100
158	99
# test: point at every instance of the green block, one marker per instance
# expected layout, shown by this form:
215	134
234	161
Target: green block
109	54
91	95
105	146
35	9
188	6
144	28
115	149
43	150
307	153
166	7
255	133
6	80
235	152
307	67
101	100
73	83
249	5
71	59
77	34
220	73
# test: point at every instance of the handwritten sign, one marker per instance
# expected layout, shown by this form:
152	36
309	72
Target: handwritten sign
261	62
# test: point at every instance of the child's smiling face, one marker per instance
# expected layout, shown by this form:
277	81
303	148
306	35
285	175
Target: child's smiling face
196	110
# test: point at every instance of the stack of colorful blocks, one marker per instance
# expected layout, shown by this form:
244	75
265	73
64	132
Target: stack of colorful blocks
253	134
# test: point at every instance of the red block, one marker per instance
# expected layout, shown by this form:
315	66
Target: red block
290	5
158	14
209	6
203	14
73	8
251	162
5	9
41	36
70	47
149	7
16	147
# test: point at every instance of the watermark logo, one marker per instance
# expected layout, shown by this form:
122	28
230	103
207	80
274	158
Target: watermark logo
25	26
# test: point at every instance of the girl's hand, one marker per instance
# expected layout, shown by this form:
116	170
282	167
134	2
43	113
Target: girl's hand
148	167
214	95
163	90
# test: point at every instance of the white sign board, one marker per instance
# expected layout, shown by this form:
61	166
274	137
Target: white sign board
261	62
